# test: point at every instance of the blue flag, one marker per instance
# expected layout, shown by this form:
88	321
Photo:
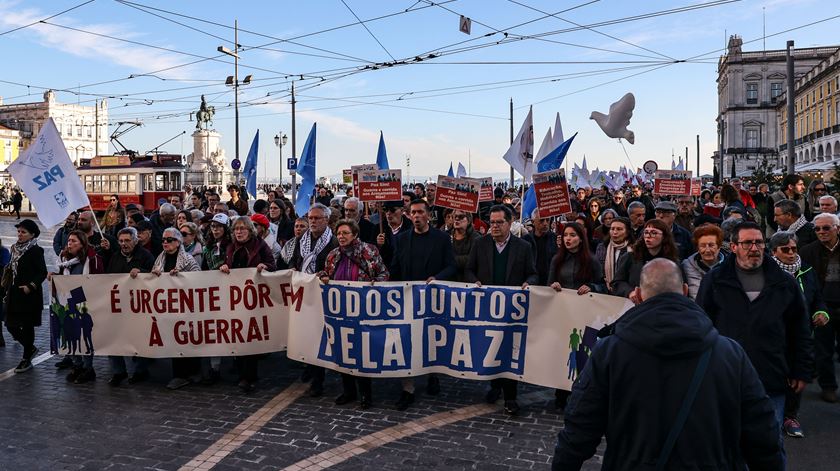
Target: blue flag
451	173
249	171
306	170
381	155
552	161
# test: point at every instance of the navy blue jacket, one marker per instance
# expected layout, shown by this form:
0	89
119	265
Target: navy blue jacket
684	241
774	329
439	262
633	386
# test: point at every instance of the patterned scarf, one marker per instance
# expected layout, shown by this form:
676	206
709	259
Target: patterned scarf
18	250
797	224
310	255
792	269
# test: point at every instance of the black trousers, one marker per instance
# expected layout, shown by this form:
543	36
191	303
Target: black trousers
185	367
349	381
508	387
24	335
318	374
247	367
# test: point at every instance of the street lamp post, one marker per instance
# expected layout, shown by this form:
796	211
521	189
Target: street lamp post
233	80
280	142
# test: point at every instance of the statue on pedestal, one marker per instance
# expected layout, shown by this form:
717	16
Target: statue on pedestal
204	115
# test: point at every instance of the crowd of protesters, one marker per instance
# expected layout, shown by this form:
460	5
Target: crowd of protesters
763	267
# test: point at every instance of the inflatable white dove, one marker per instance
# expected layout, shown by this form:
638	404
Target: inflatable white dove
615	123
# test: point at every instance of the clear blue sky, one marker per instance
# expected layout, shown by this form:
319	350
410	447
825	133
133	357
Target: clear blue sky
673	102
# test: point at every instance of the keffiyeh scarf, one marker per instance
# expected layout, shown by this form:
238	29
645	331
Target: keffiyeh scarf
793	269
18	250
797	224
310	255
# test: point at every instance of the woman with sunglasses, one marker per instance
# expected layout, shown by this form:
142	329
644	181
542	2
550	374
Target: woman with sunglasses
247	250
708	239
173	260
114	218
618	203
783	247
193	241
593	210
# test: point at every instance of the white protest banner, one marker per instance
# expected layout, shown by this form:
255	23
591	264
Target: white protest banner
47	176
536	335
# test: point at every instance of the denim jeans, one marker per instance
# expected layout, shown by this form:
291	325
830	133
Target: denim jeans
779	409
118	364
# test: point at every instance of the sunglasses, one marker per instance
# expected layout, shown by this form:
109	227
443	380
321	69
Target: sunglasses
169	240
789	250
186	234
823	228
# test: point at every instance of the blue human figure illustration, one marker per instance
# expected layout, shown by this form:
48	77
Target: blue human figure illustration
87	329
572	364
73	331
57	313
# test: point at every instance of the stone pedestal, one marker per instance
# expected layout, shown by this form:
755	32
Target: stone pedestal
207	163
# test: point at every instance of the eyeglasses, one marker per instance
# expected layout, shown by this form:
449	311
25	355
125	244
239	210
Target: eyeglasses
652	234
747	244
240	228
344	233
821	190
788	250
497	222
169	240
186	234
459	217
823	228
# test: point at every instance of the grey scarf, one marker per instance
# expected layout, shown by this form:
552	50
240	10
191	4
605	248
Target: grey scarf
18	250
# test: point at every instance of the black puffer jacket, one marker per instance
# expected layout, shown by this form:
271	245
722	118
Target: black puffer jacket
633	386
774	329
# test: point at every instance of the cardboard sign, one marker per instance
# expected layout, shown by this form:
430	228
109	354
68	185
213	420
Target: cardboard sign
354	173
458	193
380	185
672	182
486	191
347	176
552	192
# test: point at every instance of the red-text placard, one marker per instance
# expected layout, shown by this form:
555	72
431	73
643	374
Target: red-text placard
486	191
354	173
380	185
552	193
672	182
458	193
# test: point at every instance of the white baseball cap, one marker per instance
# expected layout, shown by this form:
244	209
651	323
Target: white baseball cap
221	218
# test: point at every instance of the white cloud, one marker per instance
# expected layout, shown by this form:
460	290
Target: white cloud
90	46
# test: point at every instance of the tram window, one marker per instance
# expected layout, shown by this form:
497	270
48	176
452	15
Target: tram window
174	181
89	183
161	182
132	183
114	183
149	182
97	183
123	188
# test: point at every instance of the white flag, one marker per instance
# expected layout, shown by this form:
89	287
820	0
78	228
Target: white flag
462	172
545	147
520	155
47	176
557	139
681	165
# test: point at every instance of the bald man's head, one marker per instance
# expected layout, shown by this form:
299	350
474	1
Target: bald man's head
659	276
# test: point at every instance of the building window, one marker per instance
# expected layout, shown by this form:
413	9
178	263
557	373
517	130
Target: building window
752	93
775	91
828	115
60	128
89	131
69	129
821	119
752	138
79	130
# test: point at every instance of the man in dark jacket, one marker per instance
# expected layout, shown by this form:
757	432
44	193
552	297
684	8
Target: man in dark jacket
133	259
310	256
423	253
636	380
501	259
788	217
824	256
753	301
666	211
543	245
395	224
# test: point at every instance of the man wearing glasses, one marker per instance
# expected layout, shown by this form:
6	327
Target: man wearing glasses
824	256
753	301
788	217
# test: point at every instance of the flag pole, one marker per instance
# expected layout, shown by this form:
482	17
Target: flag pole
511	139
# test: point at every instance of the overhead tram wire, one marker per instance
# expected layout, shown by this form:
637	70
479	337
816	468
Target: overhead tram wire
369	31
47	18
593	30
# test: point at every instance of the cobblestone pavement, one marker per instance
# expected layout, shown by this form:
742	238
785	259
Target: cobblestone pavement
46	423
